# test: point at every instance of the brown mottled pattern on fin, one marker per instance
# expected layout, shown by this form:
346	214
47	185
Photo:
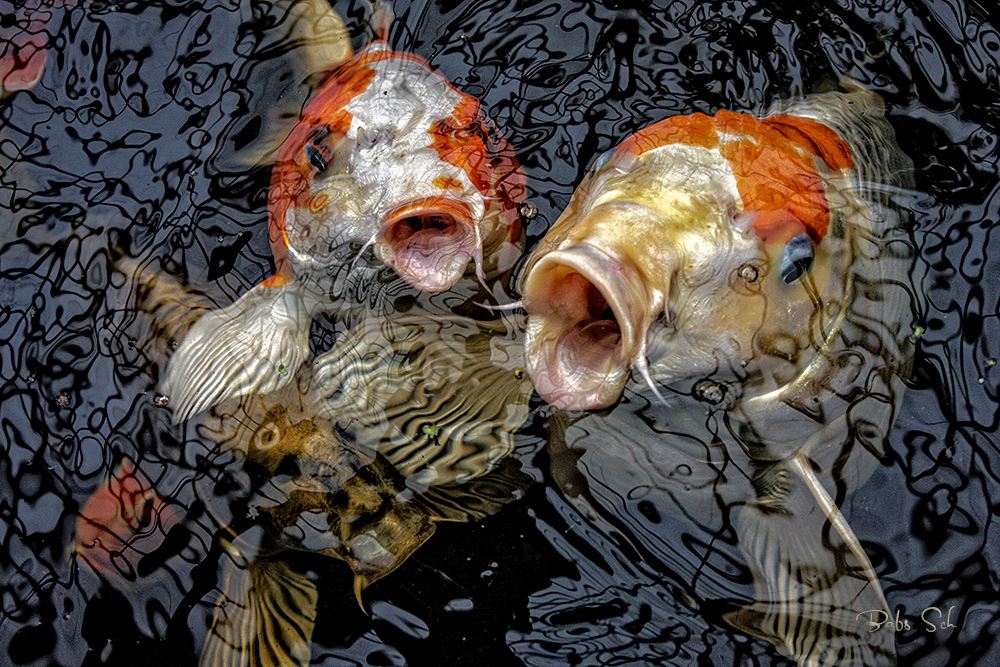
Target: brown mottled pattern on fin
264	617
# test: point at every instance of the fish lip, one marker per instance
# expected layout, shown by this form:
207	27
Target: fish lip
555	336
434	256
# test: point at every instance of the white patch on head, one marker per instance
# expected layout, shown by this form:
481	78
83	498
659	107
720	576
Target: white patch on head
400	105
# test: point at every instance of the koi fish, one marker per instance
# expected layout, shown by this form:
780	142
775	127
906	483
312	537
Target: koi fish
756	267
24	42
122	521
440	397
344	472
387	154
323	496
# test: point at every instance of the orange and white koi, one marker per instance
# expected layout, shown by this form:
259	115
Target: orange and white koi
696	240
754	275
387	154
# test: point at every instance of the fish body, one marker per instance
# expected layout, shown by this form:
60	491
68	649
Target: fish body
387	154
440	397
122	521
24	42
403	424
743	285
321	494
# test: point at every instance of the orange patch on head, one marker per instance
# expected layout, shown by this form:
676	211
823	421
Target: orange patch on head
774	161
447	183
470	141
292	174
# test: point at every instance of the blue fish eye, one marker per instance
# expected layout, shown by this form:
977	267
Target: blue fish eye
796	258
314	150
316	158
602	160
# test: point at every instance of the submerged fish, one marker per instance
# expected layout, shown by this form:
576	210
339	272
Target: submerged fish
439	396
24	42
325	495
345	451
322	496
386	154
757	268
123	520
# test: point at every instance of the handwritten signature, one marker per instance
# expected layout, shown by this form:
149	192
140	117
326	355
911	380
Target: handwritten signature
931	616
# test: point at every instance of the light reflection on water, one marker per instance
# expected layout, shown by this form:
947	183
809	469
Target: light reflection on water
123	143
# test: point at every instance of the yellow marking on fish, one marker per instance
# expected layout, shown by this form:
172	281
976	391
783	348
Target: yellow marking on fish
317	203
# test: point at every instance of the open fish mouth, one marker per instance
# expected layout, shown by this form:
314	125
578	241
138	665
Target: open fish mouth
429	243
587	318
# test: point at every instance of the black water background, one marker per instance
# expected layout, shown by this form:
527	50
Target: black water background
119	146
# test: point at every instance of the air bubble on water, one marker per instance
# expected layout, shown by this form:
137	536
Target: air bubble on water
459	604
486	573
527	210
62	400
161	401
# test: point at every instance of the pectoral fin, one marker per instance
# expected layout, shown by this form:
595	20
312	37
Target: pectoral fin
815	586
254	345
264	618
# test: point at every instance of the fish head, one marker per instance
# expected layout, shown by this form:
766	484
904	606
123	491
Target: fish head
696	256
388	153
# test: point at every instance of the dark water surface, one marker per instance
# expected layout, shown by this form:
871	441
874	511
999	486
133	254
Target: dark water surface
124	147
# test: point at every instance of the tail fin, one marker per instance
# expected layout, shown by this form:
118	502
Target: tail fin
264	617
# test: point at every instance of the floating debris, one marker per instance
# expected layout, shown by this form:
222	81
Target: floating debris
917	333
161	401
62	400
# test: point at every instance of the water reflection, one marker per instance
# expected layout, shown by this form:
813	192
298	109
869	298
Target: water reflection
125	142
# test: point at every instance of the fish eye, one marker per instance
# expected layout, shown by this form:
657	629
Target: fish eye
602	160
796	258
316	150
